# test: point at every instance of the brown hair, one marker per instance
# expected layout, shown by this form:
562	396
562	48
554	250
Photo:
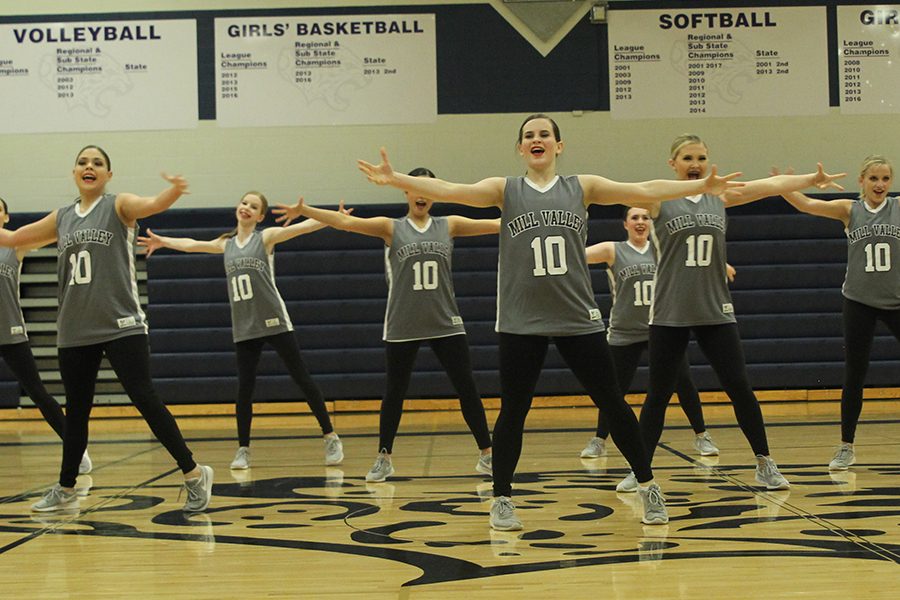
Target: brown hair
98	149
265	208
540	116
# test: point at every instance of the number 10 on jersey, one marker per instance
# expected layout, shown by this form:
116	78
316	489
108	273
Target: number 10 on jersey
549	256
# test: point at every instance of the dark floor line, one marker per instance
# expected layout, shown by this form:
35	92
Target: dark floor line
81	513
231	438
866	544
21	495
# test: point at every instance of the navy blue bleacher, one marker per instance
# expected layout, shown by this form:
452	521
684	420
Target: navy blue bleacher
334	287
786	295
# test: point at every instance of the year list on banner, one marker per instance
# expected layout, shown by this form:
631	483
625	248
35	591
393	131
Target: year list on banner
331	70
718	62
98	76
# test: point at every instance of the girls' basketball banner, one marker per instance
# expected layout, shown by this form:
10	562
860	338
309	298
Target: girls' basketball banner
869	50
718	62
326	70
102	76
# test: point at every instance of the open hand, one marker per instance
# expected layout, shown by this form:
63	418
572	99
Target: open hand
178	182
718	185
824	181
288	213
382	174
151	242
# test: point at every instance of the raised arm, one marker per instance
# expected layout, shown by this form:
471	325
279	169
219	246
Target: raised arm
153	242
603	252
34	235
464	227
21	251
276	235
380	227
781	184
485	193
838	210
132	207
599	190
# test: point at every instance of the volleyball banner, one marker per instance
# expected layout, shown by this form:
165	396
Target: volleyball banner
103	76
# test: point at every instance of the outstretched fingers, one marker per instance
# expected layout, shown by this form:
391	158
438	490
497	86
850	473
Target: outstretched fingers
177	181
287	213
825	181
718	184
381	174
151	242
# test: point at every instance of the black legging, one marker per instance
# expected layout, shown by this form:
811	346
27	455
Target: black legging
859	332
248	353
453	353
130	359
521	360
21	362
722	346
626	359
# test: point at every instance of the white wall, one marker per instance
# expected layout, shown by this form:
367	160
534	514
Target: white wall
319	162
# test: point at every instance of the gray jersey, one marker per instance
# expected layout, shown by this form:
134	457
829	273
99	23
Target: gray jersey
421	304
12	323
98	292
543	284
631	280
257	309
691	284
873	246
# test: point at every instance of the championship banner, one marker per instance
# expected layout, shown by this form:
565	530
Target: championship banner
332	70
869	50
714	62
100	76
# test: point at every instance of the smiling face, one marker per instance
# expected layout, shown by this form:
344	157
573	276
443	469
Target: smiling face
418	207
637	224
690	161
539	143
875	182
251	209
91	171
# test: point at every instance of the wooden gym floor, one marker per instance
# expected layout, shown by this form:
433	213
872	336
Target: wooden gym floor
292	528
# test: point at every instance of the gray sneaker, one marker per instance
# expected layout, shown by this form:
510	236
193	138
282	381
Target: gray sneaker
503	515
485	464
56	498
843	458
334	451
654	505
199	490
382	469
768	475
628	485
594	449
241	458
86	465
704	445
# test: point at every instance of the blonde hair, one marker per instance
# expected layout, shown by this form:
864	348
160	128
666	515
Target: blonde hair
683	140
873	160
